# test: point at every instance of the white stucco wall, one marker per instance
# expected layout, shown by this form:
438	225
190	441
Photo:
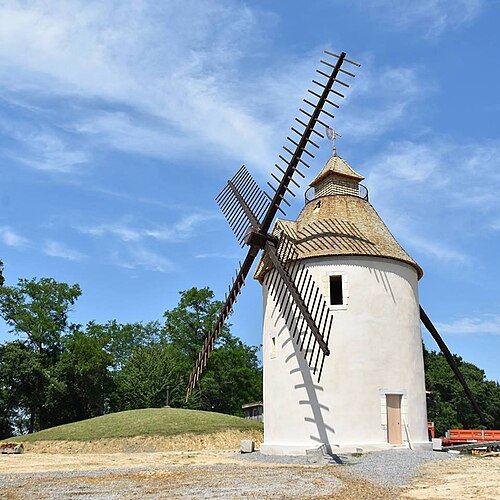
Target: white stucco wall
376	350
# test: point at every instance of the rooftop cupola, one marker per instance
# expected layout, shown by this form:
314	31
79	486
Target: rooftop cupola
336	177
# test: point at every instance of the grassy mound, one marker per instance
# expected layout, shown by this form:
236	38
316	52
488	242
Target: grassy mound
148	422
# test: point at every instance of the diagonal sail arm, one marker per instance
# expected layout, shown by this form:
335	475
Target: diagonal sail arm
224	312
303	139
271	252
451	361
243	204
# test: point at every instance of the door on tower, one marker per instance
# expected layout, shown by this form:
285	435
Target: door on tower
394	435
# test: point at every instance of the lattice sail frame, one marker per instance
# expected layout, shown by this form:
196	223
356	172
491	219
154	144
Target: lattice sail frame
250	212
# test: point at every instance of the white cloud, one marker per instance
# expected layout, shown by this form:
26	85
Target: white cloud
138	257
437	195
485	324
431	17
56	249
381	98
216	255
178	231
435	249
11	239
169	79
170	67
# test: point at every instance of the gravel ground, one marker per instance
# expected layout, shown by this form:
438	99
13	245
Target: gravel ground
394	467
387	468
371	476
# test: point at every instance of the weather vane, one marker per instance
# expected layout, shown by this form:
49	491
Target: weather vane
332	136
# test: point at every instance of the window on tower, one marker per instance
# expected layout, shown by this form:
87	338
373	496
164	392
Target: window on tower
336	295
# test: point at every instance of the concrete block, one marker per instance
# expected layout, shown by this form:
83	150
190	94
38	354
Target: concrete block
437	444
317	455
247	446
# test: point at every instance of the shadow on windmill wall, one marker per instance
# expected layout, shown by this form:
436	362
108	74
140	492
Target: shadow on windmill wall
313	391
312	388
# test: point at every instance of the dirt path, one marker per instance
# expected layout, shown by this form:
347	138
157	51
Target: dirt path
467	477
174	475
220	475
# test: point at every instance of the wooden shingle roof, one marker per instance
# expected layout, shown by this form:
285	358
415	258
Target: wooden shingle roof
339	167
339	225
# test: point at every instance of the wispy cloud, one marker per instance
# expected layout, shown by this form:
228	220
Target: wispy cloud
138	257
216	255
178	231
433	194
381	98
141	86
434	248
431	17
56	249
12	239
40	148
165	80
485	324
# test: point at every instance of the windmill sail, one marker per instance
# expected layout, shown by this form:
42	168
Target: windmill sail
224	312
292	287
250	212
243	203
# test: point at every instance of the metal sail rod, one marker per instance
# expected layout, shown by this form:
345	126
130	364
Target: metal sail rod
451	361
345	59
223	314
266	223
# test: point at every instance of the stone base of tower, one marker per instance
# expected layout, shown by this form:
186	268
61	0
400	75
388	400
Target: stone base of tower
300	449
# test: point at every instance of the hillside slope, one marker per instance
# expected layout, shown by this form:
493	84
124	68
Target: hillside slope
162	422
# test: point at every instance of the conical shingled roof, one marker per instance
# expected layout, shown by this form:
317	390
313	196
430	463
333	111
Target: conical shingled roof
338	225
336	166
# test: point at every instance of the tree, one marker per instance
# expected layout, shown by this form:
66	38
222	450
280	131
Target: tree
233	375
120	340
151	371
452	409
22	374
187	325
38	309
83	373
2	280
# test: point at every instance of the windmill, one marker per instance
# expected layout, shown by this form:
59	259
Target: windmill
300	311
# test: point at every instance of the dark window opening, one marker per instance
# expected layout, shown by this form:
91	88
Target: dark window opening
336	296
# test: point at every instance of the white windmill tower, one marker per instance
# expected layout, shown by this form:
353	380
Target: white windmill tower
342	346
371	393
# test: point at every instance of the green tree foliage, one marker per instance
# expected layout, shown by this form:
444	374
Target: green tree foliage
120	340
83	372
452	409
187	325
233	377
22	375
2	280
150	372
39	309
58	372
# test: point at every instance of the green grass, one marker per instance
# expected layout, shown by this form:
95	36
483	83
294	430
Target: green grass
148	422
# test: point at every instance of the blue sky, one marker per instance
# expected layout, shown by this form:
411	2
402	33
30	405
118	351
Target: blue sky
121	121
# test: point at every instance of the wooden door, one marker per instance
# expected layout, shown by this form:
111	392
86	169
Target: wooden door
394	435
